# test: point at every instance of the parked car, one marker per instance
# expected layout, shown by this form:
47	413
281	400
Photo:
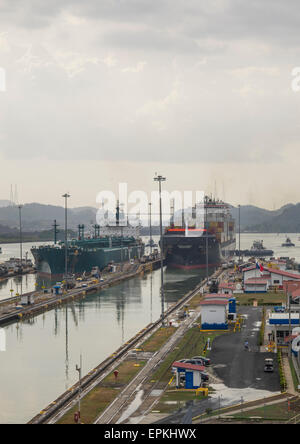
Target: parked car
206	361
269	366
204	376
194	361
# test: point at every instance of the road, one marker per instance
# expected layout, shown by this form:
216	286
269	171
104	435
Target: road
237	368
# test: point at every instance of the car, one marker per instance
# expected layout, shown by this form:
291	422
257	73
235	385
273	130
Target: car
206	361
269	367
204	376
194	361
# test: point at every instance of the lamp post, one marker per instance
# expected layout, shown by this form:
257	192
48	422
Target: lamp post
150	226
161	179
239	234
21	244
79	370
66	195
206	239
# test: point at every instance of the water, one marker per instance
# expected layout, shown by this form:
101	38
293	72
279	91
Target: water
273	241
9	287
41	354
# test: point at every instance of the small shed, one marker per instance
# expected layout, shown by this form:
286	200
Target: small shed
192	373
214	313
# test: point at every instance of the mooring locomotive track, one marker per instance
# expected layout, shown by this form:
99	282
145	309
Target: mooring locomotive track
52	412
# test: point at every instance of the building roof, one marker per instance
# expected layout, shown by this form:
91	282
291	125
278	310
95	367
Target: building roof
284	273
296	293
187	366
291	286
249	268
227	285
217	295
215	301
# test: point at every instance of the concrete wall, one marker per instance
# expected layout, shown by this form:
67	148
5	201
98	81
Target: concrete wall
213	314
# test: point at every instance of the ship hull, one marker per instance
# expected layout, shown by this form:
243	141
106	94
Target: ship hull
51	261
190	252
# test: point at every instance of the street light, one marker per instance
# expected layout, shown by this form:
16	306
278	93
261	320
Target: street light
161	179
79	369
66	195
239	234
21	241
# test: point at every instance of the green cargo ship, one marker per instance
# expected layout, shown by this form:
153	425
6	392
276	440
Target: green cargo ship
86	253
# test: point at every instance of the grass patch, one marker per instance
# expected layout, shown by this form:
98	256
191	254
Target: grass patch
294	374
270	298
273	412
192	344
158	339
173	400
96	401
195	301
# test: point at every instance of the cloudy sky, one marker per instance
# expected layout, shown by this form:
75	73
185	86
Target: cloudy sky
107	91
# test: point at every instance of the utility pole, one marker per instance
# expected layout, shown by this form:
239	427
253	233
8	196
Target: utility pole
206	239
21	246
66	195
79	370
150	222
239	234
161	179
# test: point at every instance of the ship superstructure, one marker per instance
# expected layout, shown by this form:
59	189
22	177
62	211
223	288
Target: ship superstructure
187	246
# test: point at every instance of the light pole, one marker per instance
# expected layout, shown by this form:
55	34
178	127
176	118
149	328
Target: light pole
206	239
66	195
150	222
79	369
239	234
161	179
21	246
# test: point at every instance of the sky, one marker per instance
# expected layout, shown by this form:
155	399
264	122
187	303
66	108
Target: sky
96	93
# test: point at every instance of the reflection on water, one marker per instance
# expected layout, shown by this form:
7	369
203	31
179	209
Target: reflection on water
42	352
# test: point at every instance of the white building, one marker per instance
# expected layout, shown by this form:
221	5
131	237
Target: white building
214	313
259	285
278	277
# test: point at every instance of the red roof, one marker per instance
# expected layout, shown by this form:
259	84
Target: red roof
249	268
214	301
291	286
296	293
227	285
284	273
187	366
217	295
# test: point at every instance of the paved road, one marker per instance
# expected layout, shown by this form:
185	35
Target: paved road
236	367
239	368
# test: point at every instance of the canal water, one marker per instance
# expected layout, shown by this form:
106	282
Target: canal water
41	354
